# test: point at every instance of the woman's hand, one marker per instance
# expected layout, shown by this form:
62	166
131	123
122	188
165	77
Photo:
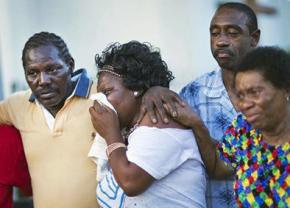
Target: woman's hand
106	122
153	102
186	116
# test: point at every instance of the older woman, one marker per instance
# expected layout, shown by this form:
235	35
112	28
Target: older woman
161	165
256	147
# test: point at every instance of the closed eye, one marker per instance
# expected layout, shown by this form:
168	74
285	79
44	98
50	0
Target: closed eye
107	92
32	73
53	69
233	34
214	34
233	31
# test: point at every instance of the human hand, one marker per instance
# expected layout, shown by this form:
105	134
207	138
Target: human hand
106	122
186	116
153	102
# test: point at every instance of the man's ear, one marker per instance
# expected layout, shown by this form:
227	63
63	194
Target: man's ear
71	65
255	37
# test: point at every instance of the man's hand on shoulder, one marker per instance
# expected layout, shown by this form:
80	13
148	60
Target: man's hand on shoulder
162	101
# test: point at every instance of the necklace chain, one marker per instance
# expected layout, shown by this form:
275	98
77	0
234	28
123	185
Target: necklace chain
127	132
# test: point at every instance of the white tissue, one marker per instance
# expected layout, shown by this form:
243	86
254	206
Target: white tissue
97	152
102	99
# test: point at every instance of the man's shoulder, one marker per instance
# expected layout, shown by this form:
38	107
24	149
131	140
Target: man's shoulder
19	96
204	79
195	85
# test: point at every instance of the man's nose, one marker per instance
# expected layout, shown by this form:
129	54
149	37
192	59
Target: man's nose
44	78
223	40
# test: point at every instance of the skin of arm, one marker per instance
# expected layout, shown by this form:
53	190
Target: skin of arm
215	167
130	177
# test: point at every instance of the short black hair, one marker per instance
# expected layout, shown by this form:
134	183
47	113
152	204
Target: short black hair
272	62
139	64
252	18
45	39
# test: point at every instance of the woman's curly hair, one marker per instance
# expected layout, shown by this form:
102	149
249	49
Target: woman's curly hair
139	64
272	62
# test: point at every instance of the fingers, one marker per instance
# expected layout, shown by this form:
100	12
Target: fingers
170	107
179	101
95	111
173	102
141	114
148	106
166	108
186	116
99	108
153	101
94	116
161	110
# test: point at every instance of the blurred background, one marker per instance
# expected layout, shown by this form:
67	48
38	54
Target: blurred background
180	28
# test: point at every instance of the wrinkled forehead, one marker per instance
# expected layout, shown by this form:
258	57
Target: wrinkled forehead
246	79
229	17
